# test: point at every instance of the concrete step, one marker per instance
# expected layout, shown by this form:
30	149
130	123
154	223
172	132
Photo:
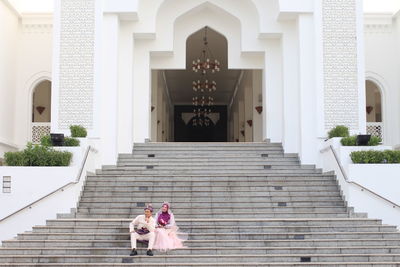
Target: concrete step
223	215
203	171
218	236
217	205
141	201
190	183
212	178
206	193
205	160
221	210
129	262
211	259
208	243
123	222
204	250
211	188
190	156
218	229
188	167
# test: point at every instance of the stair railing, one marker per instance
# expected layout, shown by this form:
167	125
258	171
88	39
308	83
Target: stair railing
77	180
346	179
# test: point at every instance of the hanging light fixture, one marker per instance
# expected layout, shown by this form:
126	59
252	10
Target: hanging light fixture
206	64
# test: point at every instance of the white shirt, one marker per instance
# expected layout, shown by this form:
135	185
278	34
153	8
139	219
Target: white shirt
140	221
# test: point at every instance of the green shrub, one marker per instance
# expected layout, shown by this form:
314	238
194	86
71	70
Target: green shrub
78	131
349	141
70	141
352	141
339	131
46	141
374	141
372	156
15	158
36	155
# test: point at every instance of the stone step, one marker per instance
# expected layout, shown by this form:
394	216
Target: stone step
165	183
208	243
212	178
204	160
204	250
221	193
176	167
221	145
211	259
174	199
218	236
219	229
129	262
155	171
123	222
222	215
217	205
210	188
216	210
211	156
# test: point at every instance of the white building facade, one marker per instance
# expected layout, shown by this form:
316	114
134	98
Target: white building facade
290	71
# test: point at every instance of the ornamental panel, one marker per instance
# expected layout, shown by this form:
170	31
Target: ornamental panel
77	37
340	63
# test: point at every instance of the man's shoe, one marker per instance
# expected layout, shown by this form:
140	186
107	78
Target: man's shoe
150	252
133	252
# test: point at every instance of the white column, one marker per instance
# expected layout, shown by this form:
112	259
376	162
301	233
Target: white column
273	93
154	107
291	119
257	101
125	69
109	89
141	92
362	125
248	105
307	100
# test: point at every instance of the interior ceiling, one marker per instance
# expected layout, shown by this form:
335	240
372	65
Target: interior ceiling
180	81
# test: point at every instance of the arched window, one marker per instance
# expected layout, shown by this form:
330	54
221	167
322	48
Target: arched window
374	109
41	110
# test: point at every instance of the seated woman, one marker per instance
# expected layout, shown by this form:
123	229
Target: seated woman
167	235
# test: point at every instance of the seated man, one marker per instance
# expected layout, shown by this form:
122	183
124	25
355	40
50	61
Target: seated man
144	231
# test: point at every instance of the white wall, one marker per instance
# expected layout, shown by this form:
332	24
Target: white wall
34	61
9	32
382	59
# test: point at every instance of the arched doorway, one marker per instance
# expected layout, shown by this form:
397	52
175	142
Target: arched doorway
41	110
374	109
188	105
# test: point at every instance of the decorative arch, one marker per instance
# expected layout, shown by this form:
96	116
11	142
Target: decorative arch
245	49
35	131
380	84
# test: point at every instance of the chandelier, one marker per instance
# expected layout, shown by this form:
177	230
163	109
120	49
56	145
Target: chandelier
203	87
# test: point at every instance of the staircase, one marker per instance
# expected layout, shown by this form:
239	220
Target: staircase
242	204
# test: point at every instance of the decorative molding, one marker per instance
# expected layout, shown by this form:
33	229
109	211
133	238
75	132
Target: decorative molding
77	41
340	63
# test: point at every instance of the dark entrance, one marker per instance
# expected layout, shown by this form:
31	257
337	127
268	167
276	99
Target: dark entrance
186	132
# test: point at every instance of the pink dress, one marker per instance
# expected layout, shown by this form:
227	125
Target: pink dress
167	234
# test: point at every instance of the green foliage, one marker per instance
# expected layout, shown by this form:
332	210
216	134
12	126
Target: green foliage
70	141
373	156
374	141
46	141
15	158
339	131
352	141
78	131
36	155
349	141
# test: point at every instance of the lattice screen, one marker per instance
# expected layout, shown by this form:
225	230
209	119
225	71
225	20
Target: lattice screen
375	129
38	131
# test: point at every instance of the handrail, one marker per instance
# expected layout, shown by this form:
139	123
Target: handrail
77	180
354	183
